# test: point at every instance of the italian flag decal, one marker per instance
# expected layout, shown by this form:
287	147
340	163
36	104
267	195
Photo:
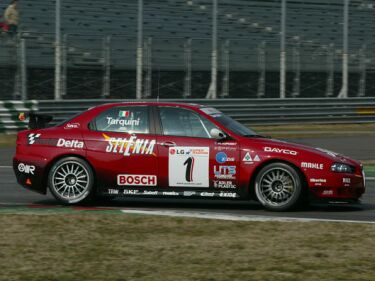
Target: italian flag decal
124	114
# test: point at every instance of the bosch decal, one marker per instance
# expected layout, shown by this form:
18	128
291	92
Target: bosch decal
136	180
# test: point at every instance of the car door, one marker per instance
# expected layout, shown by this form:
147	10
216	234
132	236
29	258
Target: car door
121	146
189	158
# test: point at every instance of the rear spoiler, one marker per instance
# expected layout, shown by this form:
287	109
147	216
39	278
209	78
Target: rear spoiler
36	120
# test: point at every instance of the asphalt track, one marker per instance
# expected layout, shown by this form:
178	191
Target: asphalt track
11	194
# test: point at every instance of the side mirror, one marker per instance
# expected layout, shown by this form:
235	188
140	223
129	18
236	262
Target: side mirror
217	134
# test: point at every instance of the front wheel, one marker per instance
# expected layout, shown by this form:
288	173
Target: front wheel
279	187
71	180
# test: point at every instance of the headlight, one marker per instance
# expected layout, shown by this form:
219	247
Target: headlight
342	168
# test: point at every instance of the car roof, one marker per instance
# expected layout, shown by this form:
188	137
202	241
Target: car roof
155	103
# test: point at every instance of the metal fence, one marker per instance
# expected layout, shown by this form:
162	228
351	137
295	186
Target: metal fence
247	111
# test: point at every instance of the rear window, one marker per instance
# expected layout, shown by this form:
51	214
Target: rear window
130	119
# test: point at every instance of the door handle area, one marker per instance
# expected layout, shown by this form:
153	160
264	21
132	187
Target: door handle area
168	144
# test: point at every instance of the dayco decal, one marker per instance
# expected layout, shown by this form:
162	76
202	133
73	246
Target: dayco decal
27	169
129	146
122	122
224	172
308	165
280	150
69	143
142	180
224	184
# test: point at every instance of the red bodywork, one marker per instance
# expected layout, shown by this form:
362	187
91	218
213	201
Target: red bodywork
149	173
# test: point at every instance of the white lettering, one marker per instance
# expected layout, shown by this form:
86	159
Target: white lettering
280	150
69	144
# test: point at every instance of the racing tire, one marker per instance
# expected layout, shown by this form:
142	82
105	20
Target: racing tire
71	180
279	187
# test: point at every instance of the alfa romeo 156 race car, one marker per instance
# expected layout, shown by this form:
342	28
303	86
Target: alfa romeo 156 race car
155	149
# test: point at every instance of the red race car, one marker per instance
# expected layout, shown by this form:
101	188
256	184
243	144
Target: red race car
154	149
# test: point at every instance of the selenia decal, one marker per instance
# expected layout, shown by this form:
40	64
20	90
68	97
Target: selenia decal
130	146
188	166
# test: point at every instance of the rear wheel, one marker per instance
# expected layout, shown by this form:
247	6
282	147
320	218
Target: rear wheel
71	180
279	187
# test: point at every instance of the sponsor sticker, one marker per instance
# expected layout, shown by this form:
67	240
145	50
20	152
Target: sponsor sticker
346	180
136	180
280	150
247	159
221	157
69	143
130	146
224	184
228	194
316	166
224	172
33	137
188	166
327	192
72	126
318	180
207	194
123	122
27	169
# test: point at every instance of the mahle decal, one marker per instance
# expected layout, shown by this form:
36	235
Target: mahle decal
130	146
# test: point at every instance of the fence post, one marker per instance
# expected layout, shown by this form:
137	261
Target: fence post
296	69
187	84
212	90
262	70
148	80
23	73
140	51
225	86
362	71
106	67
64	65
330	70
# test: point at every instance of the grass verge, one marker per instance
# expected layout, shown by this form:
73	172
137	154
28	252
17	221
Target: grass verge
124	247
8	140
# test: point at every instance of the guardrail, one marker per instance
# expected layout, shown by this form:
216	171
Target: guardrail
247	111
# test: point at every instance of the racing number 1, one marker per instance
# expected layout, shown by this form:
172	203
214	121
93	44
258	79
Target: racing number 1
189	163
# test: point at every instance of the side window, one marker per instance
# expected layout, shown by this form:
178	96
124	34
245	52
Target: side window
182	122
124	120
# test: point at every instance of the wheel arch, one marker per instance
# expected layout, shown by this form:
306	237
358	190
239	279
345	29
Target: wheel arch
251	186
59	157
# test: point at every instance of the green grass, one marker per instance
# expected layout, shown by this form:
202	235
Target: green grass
8	140
129	247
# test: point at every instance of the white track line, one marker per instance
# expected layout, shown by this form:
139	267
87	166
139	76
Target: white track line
220	216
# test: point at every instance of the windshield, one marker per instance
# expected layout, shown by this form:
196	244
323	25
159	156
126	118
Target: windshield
228	122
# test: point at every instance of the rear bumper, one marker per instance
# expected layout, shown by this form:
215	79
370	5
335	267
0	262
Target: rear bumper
29	172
